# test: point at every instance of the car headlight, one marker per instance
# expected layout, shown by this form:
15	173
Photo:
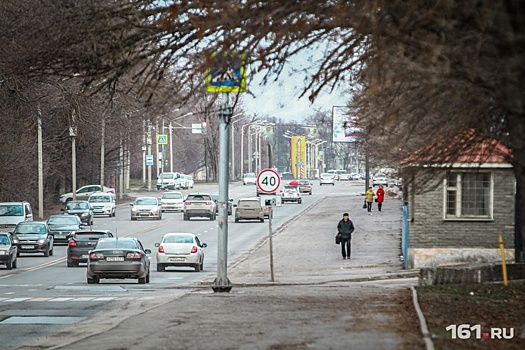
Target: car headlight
41	241
3	252
134	210
85	214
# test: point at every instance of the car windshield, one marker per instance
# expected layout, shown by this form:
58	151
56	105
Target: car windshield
167	176
326	175
11	210
198	197
4	239
63	220
99	199
91	234
249	175
77	206
304	182
249	204
146	201
172	196
383	176
178	239
30	228
116	243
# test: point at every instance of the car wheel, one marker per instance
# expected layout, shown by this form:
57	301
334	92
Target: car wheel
262	219
197	267
15	262
51	251
299	201
46	252
310	193
132	218
114	213
320	184
91	222
147	277
333	184
142	280
160	268
236	220
9	265
70	264
202	265
94	280
186	217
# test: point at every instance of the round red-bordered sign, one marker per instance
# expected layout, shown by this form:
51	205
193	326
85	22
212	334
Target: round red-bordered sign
268	181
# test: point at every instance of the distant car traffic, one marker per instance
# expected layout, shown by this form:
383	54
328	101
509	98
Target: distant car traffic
186	181
180	249
249	209
327	179
34	237
291	193
84	192
305	186
82	209
146	208
81	242
249	179
103	203
230	204
379	179
345	177
172	201
61	226
122	258
8	250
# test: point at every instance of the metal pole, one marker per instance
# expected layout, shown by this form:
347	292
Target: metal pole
73	134
121	170
40	170
102	151
270	231
144	148
233	151
148	141
250	153
157	155
171	148
367	171
163	149
242	151
222	283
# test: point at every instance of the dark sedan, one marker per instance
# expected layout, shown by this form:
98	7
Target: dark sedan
81	242
62	226
82	209
118	258
8	250
34	237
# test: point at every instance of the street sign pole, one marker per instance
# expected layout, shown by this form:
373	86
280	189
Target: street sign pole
222	284
270	231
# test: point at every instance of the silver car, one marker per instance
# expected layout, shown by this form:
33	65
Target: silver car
172	200
146	208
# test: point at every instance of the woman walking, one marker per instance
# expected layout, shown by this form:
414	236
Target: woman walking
369	198
380	195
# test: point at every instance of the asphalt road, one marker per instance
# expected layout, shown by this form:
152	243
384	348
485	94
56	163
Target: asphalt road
43	296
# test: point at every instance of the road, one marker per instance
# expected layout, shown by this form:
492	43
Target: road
43	297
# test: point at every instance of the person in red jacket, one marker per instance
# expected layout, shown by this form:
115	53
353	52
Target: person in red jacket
380	197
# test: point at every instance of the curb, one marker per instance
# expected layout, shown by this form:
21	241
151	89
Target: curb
422	322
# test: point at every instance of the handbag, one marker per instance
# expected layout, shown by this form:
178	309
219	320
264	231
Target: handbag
376	200
338	238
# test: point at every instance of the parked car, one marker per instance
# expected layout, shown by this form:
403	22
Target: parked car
82	209
8	250
34	237
379	179
146	208
327	179
249	209
180	249
172	201
123	257
291	193
216	200
11	213
201	205
305	186
81	242
103	203
249	179
62	226
84	192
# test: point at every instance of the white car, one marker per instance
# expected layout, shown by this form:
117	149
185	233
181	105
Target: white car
249	178
84	192
180	249
345	177
103	203
170	181
327	179
186	181
172	201
291	194
146	207
379	179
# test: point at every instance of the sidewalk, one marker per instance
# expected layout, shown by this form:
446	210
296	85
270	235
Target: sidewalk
318	300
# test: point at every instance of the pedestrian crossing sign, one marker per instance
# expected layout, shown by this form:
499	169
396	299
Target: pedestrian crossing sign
162	139
227	73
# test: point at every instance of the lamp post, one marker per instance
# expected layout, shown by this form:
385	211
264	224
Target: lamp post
171	137
242	144
232	125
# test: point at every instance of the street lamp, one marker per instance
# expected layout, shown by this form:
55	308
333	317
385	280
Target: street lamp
242	143
171	137
233	142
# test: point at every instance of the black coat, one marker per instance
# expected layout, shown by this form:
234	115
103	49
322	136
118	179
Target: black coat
345	228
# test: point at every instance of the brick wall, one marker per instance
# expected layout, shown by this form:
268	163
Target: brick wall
429	230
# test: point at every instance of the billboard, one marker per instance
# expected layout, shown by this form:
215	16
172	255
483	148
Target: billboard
343	124
298	156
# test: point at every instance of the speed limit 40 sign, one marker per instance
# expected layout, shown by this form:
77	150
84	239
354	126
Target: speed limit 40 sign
268	181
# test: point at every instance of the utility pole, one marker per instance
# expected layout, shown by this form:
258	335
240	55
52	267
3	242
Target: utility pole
102	151
40	169
148	142
73	134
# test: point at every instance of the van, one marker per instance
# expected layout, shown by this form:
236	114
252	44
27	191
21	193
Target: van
11	213
103	203
171	181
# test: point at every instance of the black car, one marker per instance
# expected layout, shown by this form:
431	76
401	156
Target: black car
81	242
215	198
82	209
34	237
8	250
62	226
118	258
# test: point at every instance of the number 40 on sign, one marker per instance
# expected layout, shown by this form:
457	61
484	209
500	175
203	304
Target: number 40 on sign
268	181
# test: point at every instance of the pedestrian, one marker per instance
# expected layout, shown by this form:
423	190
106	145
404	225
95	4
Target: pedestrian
369	198
345	227
380	197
